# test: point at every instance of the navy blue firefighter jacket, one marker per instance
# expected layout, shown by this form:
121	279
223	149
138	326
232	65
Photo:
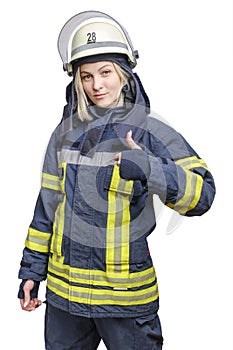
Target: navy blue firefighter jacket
88	236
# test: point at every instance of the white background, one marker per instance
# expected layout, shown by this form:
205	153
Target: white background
186	67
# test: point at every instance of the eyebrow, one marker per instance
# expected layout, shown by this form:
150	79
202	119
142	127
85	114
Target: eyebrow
104	66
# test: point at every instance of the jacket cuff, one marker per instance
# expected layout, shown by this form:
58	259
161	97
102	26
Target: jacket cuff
134	165
33	271
34	291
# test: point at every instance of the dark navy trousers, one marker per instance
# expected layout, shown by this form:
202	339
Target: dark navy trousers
68	332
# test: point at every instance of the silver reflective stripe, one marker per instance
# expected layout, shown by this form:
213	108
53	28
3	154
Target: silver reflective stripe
97	45
74	157
101	296
84	276
191	195
110	296
191	162
50	181
40	241
68	156
190	191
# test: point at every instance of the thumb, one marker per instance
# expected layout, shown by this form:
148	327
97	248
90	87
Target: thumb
132	144
27	289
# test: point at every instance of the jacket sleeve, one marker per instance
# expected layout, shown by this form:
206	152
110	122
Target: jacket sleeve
185	185
173	171
37	245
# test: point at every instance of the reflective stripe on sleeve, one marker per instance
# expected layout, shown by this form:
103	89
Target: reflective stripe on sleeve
192	193
38	240
191	163
50	181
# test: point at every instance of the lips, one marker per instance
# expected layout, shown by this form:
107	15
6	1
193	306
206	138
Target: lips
99	96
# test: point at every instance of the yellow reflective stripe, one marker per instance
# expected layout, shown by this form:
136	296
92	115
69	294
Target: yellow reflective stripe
59	220
198	189
117	233
194	184
125	236
110	229
93	296
192	194
38	240
100	278
50	181
191	163
118	184
115	178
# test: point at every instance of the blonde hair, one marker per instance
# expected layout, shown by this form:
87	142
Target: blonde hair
83	102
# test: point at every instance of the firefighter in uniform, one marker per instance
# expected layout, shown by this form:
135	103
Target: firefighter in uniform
105	162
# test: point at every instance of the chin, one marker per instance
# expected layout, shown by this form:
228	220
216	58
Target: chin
103	105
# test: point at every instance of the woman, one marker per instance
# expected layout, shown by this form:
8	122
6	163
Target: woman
104	162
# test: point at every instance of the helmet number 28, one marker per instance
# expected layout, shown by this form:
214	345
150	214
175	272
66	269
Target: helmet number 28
91	37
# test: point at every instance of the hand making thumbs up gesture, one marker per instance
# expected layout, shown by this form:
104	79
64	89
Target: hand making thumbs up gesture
131	144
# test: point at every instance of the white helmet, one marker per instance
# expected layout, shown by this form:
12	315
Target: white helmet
92	33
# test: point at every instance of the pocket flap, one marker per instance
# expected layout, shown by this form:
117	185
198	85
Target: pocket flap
115	183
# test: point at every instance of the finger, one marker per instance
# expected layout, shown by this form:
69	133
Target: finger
27	298
27	289
27	307
22	303
118	158
33	305
36	302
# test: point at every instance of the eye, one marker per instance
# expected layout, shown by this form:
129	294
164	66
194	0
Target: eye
106	72
86	77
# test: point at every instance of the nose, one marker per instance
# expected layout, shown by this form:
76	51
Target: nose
97	83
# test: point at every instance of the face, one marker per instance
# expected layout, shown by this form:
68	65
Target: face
101	83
